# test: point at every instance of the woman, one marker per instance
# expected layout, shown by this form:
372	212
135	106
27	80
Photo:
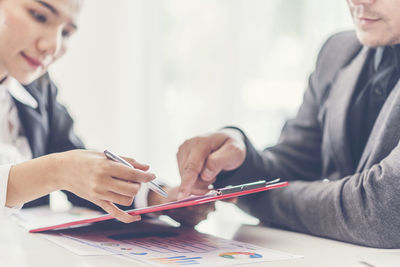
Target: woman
33	35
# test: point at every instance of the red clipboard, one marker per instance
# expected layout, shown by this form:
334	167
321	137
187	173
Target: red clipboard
190	201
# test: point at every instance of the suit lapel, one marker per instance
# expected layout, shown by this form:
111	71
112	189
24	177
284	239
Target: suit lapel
339	102
385	134
34	122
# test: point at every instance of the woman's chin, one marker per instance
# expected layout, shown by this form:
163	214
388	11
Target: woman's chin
26	78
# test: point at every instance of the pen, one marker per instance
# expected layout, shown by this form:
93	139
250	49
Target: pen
243	187
152	185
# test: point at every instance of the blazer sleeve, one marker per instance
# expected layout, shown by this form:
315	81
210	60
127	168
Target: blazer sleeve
297	155
363	208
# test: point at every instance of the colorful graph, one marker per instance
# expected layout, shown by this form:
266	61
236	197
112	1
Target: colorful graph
177	261
240	255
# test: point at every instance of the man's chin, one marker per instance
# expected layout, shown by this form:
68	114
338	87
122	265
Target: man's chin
374	40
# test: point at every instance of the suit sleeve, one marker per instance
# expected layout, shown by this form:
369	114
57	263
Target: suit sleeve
297	156
363	208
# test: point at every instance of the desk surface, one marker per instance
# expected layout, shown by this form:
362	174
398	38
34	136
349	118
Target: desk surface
19	249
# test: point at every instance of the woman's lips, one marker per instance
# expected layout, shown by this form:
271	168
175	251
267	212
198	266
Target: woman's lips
32	61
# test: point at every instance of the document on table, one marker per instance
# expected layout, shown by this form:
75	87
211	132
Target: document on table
35	217
153	242
163	246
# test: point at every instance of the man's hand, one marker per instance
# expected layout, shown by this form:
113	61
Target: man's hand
188	216
202	158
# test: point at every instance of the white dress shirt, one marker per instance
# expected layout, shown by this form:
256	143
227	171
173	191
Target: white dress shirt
14	146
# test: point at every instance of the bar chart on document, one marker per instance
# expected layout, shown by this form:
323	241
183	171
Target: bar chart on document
181	248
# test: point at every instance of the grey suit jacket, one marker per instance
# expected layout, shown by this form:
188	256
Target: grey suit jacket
361	206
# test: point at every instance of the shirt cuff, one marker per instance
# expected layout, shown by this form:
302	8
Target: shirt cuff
5	211
141	197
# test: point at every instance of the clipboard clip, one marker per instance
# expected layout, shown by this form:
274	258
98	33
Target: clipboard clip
239	188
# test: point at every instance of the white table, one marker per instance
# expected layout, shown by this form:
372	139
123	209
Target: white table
19	248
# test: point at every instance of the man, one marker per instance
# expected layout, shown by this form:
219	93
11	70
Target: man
340	153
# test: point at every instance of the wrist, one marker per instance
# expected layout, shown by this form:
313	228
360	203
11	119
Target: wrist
51	172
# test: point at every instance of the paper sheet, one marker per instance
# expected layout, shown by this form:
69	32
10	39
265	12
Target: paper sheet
151	242
36	217
78	248
177	247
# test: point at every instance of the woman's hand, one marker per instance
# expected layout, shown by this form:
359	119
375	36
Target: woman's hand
87	174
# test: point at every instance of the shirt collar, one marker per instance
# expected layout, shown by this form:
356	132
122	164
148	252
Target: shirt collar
379	55
21	94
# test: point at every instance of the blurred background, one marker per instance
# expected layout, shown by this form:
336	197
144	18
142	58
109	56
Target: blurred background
141	76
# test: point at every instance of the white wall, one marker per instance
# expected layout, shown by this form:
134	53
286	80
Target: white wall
144	75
